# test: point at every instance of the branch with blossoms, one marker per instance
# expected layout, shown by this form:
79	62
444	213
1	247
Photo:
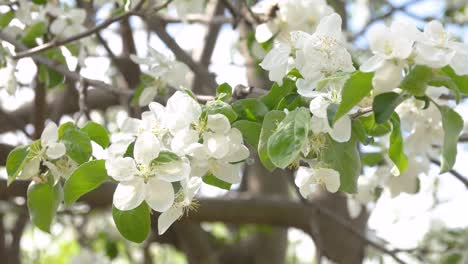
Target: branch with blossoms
321	109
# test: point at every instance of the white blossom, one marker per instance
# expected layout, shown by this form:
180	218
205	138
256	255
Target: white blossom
307	180
391	46
68	22
183	203
142	180
46	152
291	15
166	71
437	49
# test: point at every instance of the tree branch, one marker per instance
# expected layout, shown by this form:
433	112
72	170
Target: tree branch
89	32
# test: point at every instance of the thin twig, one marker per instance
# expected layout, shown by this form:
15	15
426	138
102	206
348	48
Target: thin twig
455	173
103	25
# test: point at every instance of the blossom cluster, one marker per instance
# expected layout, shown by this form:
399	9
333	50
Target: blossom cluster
162	157
323	65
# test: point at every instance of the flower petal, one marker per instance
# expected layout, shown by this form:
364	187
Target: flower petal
341	131
159	194
30	169
147	96
174	171
218	123
167	218
129	194
146	149
216	145
49	135
55	150
121	169
330	177
225	171
372	64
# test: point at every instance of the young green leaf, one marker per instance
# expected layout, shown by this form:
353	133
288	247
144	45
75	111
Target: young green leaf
444	81
452	123
220	107
16	161
277	93
290	102
250	131
355	89
396	149
78	145
33	32
285	144
97	133
416	80
460	80
87	177
65	127
6	18
269	126
43	201
224	92
250	109
165	157
133	224
384	105
210	179
344	158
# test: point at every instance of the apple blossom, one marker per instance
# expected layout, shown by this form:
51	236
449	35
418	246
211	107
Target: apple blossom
142	180
307	180
48	149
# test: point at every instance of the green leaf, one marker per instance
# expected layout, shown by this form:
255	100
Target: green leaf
133	224
6	18
285	144
277	93
250	131
224	92
444	81
344	158
78	145
396	150
43	201
40	2
372	158
65	127
460	80
250	109
372	128
16	161
452	123
355	89
165	157
291	102
50	77
97	133
146	80
33	32
269	126
214	181
220	107
87	177
384	105
417	79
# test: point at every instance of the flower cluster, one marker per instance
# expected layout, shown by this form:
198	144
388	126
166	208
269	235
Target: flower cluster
162	157
288	16
402	45
320	65
322	61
